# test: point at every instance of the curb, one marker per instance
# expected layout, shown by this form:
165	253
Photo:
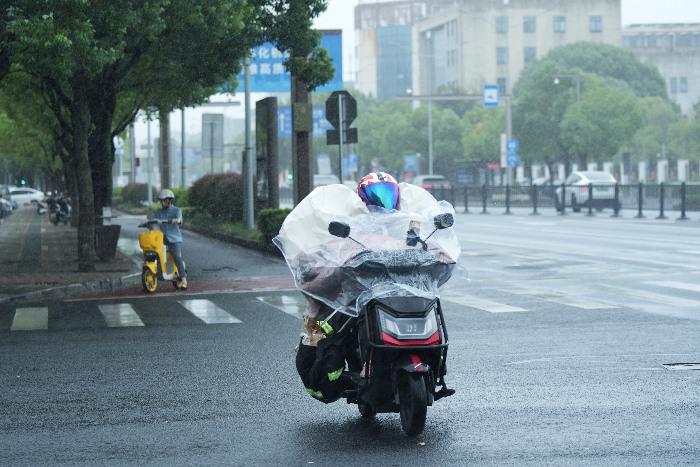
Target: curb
62	291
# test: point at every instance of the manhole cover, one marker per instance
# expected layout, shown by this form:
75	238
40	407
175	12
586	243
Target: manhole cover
681	366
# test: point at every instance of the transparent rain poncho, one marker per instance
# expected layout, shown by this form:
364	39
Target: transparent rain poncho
344	273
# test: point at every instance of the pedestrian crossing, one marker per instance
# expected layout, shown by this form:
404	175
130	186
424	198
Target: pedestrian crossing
668	297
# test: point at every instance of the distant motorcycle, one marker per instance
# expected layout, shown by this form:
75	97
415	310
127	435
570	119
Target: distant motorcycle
59	210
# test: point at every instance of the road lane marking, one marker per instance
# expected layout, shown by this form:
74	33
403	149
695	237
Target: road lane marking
209	312
31	319
293	305
544	246
563	299
120	315
481	303
676	285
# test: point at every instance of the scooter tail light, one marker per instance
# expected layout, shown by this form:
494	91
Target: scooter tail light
390	340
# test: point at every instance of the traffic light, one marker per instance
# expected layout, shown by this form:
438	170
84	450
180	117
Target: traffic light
23	182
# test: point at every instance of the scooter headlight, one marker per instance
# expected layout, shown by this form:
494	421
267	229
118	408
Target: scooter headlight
414	328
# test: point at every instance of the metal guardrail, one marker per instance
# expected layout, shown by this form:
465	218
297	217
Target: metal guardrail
641	198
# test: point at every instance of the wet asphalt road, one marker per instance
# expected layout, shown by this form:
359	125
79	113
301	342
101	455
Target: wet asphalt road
556	353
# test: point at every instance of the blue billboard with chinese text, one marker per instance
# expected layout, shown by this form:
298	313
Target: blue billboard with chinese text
267	72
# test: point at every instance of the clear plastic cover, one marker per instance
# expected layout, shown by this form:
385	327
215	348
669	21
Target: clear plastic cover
376	260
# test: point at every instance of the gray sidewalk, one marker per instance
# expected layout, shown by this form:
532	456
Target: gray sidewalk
39	260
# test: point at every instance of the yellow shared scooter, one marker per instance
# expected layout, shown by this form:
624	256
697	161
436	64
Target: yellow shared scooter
154	258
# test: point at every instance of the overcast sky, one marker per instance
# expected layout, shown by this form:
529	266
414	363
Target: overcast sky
340	15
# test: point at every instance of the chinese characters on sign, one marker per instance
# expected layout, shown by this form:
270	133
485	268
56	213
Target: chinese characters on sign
268	74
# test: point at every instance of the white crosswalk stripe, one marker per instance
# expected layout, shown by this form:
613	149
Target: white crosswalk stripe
31	319
291	304
209	312
120	315
480	303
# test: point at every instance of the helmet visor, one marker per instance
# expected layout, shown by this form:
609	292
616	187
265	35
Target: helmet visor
383	194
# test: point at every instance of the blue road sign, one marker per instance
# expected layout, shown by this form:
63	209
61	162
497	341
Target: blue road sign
267	72
490	95
513	159
513	145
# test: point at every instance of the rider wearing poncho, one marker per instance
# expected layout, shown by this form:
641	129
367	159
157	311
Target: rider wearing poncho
379	214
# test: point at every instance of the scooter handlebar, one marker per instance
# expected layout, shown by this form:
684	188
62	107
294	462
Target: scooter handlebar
151	222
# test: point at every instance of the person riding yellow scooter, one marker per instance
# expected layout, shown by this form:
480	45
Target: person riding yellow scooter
163	230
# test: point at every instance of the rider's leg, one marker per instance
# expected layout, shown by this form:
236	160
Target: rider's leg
175	249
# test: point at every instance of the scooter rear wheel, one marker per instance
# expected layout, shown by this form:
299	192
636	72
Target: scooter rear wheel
413	400
149	281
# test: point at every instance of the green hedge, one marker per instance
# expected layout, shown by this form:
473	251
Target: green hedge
134	193
181	198
269	224
219	195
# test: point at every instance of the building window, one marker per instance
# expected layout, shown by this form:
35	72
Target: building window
684	85
560	24
529	24
501	55
502	85
502	24
530	54
596	24
674	86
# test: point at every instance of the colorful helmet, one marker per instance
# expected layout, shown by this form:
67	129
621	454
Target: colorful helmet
165	194
379	189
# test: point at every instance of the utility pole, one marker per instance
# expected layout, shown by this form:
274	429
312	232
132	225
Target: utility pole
183	183
211	146
341	119
132	154
248	182
148	162
509	132
302	124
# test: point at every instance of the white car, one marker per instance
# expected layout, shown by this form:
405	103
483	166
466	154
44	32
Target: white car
25	195
577	194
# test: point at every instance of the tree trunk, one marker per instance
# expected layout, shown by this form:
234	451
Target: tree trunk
164	119
301	147
101	147
80	119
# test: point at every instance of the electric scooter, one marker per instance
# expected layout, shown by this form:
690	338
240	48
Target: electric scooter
156	259
400	350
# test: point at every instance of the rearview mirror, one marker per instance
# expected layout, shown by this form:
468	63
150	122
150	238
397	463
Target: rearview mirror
339	229
444	221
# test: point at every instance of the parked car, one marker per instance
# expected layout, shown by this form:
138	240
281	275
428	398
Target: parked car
25	195
577	192
431	182
327	179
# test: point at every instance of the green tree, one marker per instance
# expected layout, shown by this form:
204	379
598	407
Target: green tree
540	105
288	24
654	137
482	135
596	126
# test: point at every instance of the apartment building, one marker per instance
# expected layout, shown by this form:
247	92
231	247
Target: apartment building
469	43
675	50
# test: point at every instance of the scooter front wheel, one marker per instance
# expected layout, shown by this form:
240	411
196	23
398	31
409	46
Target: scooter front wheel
413	400
149	281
